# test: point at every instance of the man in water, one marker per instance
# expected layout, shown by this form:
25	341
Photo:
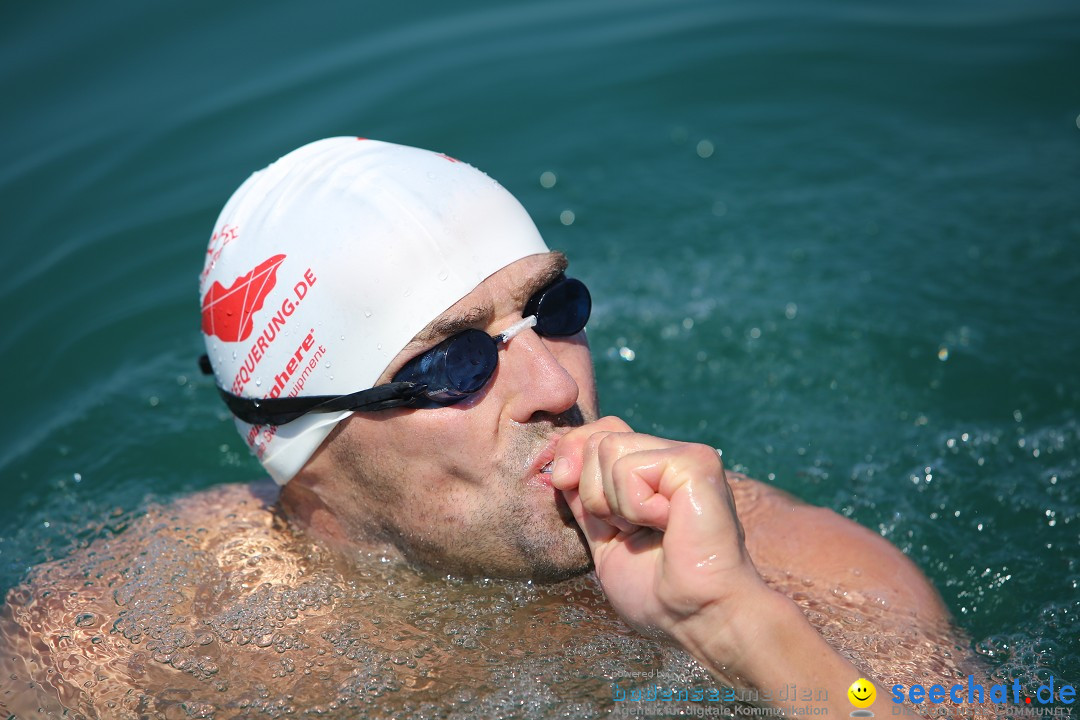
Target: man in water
408	361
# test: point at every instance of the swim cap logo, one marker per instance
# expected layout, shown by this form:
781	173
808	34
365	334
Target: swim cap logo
227	311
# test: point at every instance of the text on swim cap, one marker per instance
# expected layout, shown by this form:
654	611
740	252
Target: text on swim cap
259	436
269	334
294	362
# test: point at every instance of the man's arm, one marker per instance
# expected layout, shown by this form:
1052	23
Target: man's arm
671	554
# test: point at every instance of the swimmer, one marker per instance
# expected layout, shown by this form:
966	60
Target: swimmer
408	361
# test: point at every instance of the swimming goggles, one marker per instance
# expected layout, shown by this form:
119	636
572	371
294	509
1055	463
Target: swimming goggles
443	375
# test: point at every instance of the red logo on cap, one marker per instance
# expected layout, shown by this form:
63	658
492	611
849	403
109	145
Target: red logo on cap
227	311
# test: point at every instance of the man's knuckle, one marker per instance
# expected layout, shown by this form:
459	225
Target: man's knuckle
609	444
704	454
592	445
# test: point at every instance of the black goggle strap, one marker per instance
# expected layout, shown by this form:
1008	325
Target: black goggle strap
279	411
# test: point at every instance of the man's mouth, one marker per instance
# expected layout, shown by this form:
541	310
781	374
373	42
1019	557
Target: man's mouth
545	460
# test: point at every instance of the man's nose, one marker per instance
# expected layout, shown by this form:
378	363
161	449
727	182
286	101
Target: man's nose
535	378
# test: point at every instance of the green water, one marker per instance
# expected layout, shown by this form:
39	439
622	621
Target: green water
836	239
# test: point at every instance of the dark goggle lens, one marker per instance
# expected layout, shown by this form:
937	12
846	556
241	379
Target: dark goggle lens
470	360
455	368
461	365
561	309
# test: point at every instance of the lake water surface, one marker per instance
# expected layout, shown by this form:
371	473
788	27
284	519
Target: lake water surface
839	240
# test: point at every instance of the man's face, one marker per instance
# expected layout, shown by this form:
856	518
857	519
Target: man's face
465	488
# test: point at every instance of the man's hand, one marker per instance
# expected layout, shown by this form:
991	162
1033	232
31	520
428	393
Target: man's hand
668	547
660	521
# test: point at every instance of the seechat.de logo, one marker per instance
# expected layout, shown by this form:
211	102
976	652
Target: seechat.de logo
973	692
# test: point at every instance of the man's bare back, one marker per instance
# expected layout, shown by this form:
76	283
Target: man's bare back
213	607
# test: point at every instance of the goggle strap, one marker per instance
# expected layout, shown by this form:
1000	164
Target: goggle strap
279	411
506	335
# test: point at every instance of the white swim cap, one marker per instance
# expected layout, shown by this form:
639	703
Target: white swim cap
325	264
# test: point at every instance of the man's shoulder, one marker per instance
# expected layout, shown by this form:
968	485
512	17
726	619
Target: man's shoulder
794	542
145	600
200	524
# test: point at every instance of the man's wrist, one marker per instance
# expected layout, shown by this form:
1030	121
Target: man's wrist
738	642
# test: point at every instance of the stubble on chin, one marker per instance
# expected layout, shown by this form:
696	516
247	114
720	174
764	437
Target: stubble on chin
537	522
516	529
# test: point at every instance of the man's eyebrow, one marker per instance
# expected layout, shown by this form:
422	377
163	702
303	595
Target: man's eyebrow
441	328
558	267
445	327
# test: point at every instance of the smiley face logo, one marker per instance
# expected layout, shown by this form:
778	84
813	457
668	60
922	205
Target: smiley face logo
862	693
